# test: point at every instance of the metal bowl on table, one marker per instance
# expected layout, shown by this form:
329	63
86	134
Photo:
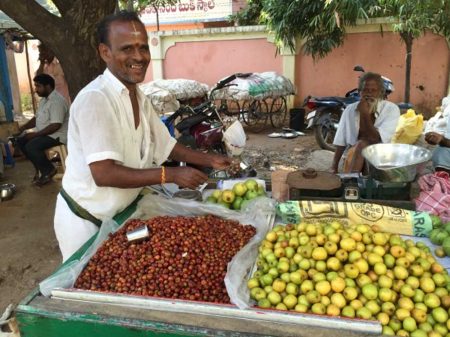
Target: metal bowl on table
395	162
7	191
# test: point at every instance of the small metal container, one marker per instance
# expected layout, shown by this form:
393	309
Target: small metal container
188	194
7	191
138	234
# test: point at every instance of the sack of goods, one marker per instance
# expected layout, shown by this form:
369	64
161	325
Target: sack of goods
166	94
257	86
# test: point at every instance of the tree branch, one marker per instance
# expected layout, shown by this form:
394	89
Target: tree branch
63	6
31	23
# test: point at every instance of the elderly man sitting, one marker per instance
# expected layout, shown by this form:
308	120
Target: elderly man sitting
372	120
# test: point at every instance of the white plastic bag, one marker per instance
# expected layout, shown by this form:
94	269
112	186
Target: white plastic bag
235	138
66	276
258	213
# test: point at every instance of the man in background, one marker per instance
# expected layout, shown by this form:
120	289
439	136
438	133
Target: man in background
50	125
372	120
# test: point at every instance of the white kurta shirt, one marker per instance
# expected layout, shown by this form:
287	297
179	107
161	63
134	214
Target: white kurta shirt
101	127
385	123
53	109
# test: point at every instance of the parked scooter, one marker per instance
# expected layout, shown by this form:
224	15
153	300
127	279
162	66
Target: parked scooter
326	111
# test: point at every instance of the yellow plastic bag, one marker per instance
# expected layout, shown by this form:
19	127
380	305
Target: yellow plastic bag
409	128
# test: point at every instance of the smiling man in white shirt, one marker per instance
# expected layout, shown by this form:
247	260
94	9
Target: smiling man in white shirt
116	141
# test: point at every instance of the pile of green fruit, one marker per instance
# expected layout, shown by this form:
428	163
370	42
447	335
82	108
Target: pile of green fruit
236	197
353	271
440	236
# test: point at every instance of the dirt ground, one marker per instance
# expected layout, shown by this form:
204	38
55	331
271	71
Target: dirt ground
28	246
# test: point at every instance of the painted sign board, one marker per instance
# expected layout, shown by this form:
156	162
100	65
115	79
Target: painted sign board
189	11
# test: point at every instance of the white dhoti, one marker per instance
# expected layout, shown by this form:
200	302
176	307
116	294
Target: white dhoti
71	230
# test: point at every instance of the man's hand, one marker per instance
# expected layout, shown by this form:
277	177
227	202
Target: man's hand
219	162
367	105
433	138
186	176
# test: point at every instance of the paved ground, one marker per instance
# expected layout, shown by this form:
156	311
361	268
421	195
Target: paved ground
28	247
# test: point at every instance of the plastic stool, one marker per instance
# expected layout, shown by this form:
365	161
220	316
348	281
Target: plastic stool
9	160
62	151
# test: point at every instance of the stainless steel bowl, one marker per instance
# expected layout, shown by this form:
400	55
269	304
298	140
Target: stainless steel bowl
395	162
7	191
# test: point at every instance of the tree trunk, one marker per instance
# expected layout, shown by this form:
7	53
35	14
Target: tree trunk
70	36
408	39
130	5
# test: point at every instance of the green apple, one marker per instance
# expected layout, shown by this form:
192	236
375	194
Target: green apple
251	195
228	196
239	189
217	194
260	190
211	200
237	203
251	184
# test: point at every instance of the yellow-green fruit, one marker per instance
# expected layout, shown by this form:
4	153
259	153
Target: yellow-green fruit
363	313
290	301
264	303
239	189
319	253
323	287
383	318
338	300
217	194
333	310
274	297
301	308
253	283
370	291
409	324
318	308
281	306
348	311
228	196
440	315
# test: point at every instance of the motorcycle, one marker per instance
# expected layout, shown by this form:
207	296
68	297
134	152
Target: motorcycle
326	111
201	127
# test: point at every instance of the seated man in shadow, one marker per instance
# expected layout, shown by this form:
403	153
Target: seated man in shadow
50	125
372	120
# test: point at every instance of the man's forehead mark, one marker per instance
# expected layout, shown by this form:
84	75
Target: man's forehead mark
136	33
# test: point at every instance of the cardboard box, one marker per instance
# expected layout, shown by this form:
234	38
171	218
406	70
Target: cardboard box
7	130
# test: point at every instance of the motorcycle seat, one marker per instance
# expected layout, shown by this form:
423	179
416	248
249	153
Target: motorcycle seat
343	100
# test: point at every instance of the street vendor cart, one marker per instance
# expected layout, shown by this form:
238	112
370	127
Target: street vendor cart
322	229
71	312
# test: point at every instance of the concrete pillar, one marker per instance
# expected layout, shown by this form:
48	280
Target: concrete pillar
288	60
157	52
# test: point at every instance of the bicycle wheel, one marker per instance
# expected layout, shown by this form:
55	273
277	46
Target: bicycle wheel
255	114
278	112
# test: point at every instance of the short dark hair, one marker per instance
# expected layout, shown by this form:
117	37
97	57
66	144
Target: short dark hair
121	16
374	77
45	79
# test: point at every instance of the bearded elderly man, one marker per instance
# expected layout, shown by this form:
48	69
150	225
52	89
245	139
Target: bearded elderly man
372	120
116	141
